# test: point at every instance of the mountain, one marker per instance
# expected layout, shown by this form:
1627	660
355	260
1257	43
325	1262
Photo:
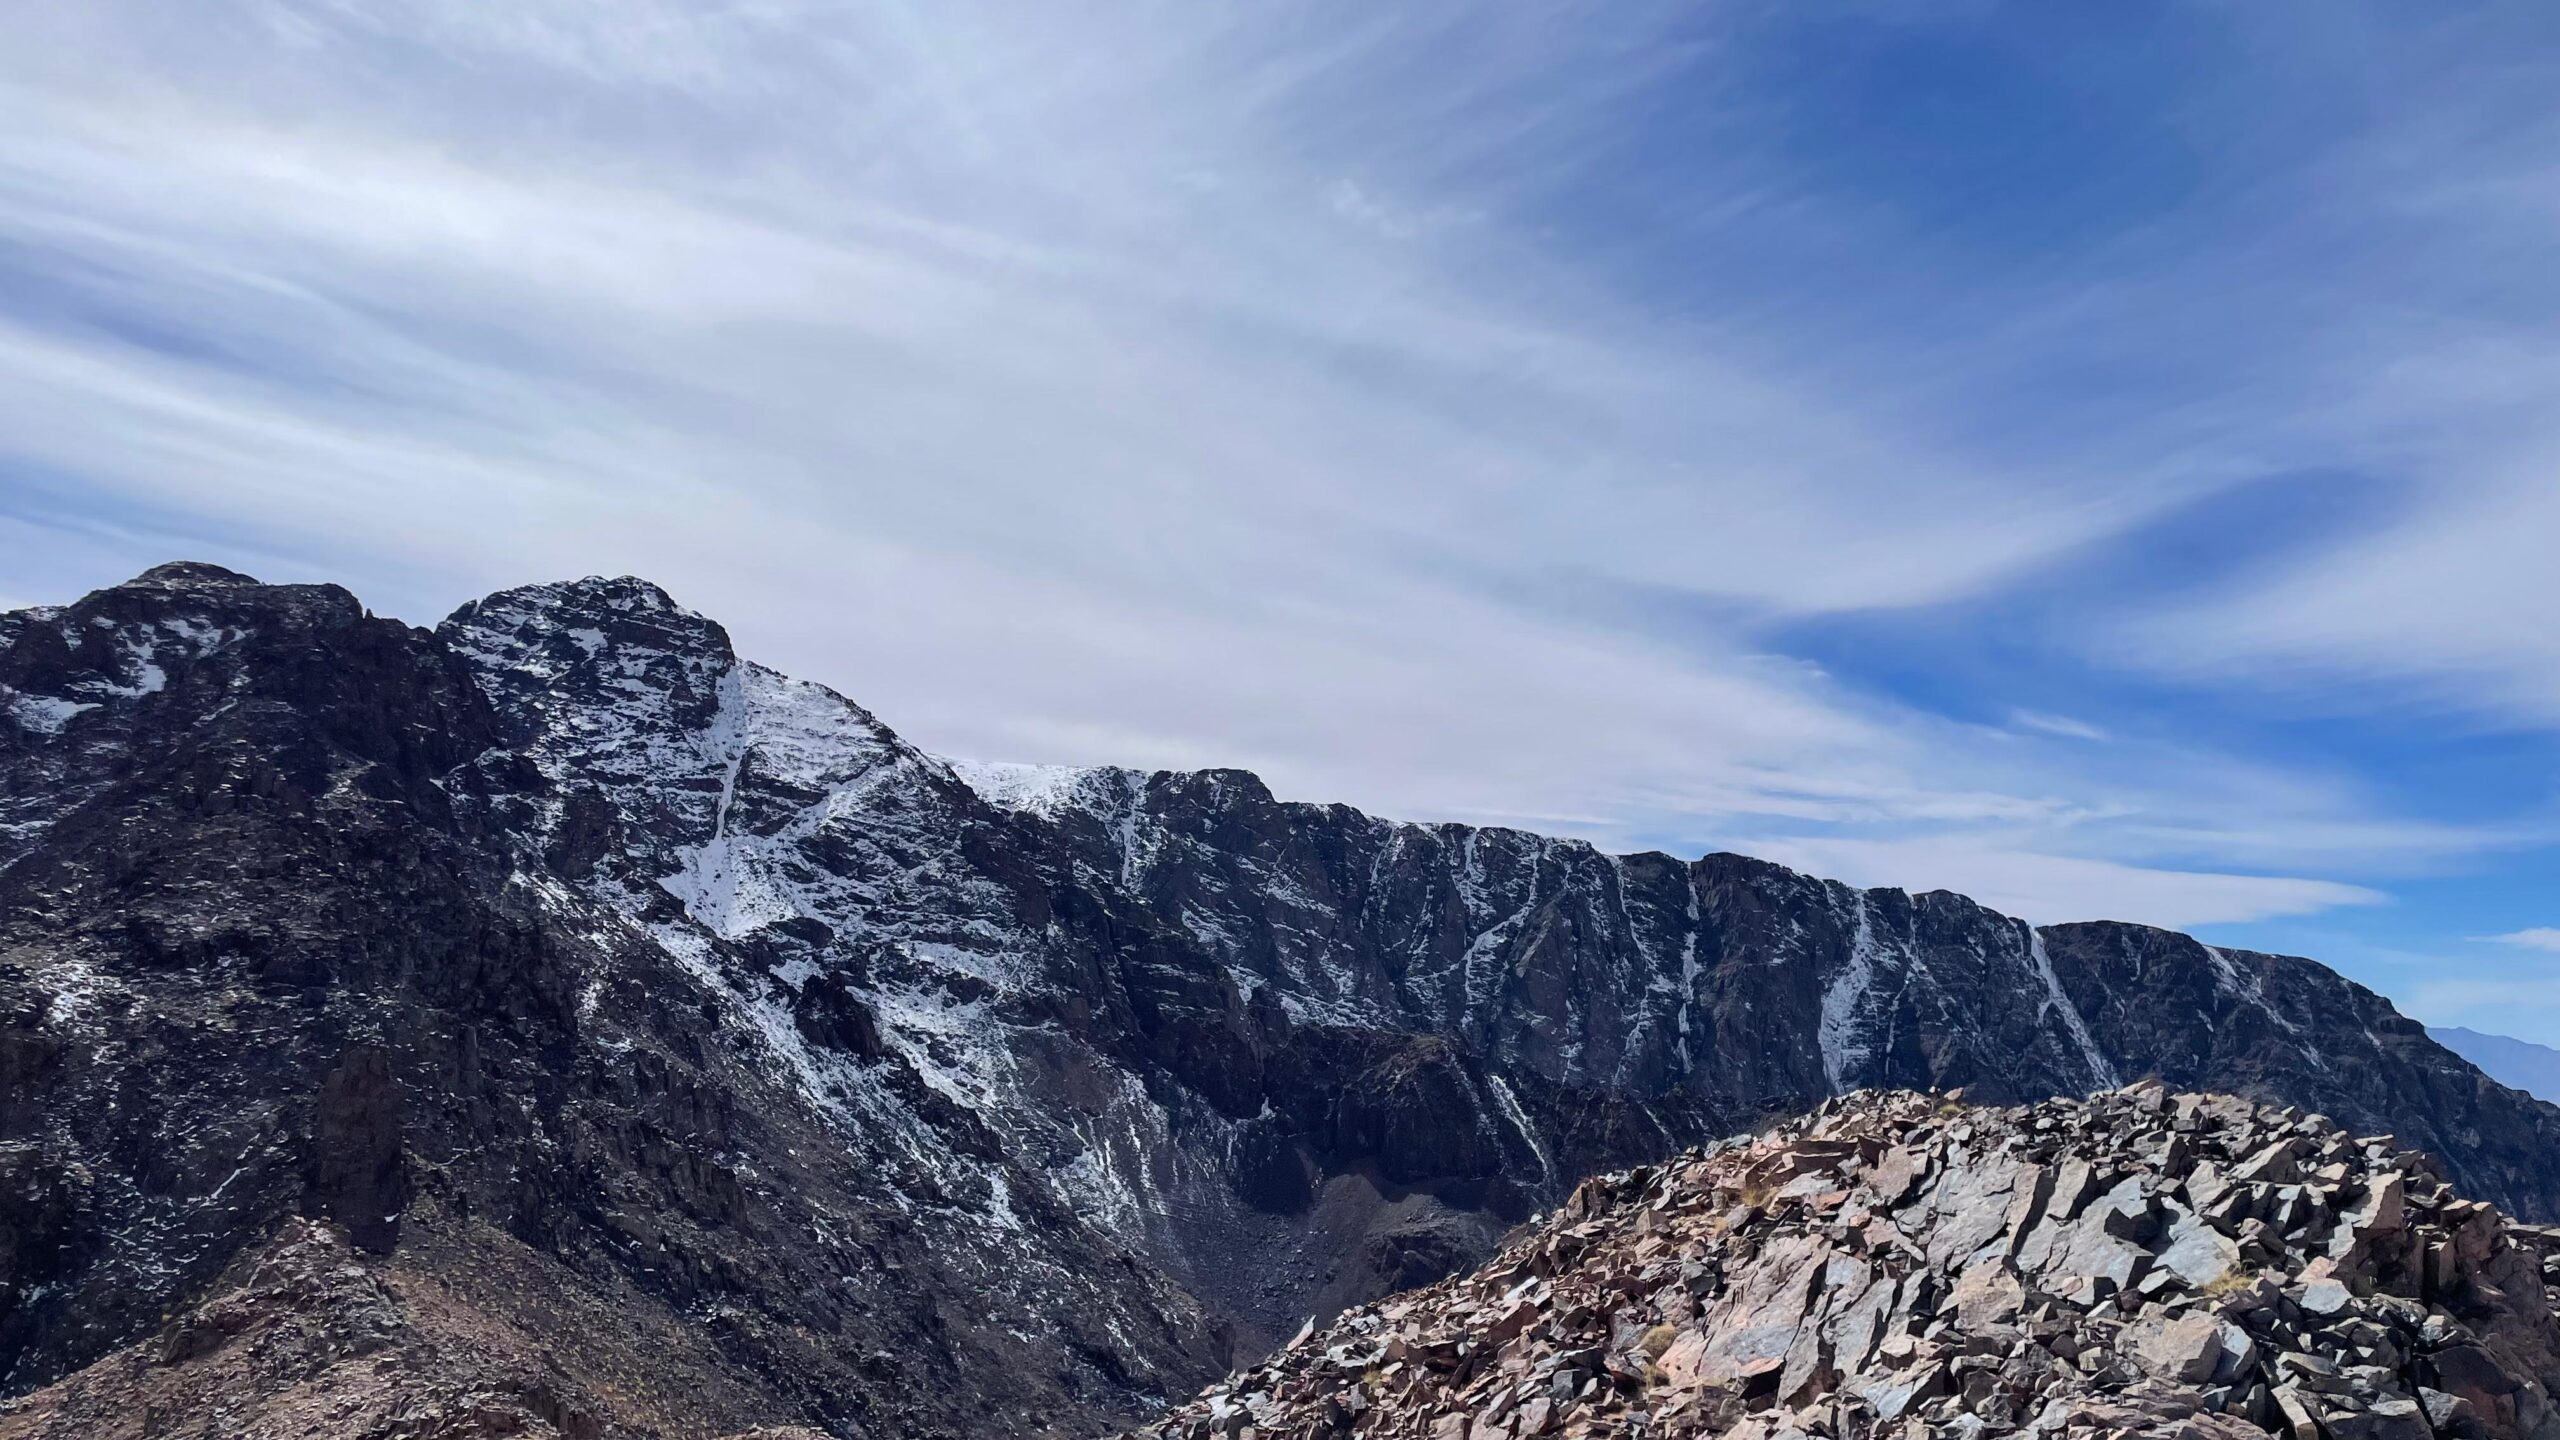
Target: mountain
2534	1069
2142	1264
898	1093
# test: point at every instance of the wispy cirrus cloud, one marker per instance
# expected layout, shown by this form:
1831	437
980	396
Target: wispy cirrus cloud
1176	385
2062	725
2539	937
2048	888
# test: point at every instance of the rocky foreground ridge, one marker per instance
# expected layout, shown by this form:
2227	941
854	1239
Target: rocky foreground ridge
2139	1264
463	1338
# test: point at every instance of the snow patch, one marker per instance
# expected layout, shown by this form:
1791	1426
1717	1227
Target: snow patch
1842	1049
45	714
1520	1122
1029	789
1689	971
2251	989
2101	1070
77	985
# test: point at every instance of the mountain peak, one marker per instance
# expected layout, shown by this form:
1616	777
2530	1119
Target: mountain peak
597	596
190	574
622	637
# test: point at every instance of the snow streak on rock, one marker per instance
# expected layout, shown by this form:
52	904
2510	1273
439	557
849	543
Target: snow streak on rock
2102	1073
1843	1050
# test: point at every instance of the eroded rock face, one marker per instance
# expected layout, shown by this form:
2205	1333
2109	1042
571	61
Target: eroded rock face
938	1091
2142	1263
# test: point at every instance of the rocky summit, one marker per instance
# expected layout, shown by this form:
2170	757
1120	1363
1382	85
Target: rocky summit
2141	1263
559	945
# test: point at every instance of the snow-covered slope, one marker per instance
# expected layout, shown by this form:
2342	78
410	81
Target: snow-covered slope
852	906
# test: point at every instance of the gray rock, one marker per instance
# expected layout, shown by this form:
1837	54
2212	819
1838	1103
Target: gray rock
2239	1354
2197	1253
2397	1417
2446	1412
2186	1348
2325	1297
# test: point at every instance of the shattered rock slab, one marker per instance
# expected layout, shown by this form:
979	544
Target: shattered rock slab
2140	1263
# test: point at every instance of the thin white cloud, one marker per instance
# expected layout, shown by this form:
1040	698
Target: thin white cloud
2539	937
2062	725
2047	888
2443	610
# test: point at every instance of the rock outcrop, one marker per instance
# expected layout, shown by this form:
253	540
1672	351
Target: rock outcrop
2142	1263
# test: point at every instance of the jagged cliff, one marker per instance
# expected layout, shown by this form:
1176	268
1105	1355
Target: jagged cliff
929	1091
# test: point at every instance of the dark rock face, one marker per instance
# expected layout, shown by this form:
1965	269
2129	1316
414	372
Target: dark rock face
1738	987
935	1091
276	939
359	1175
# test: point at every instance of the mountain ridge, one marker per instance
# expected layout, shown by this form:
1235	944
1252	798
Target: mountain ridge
565	919
2534	1069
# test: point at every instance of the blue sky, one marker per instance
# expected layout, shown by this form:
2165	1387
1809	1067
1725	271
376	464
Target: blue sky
2103	459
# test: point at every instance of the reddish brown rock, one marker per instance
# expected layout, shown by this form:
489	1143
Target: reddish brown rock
1837	1278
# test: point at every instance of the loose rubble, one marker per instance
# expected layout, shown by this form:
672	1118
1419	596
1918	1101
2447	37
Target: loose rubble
311	1338
1903	1264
